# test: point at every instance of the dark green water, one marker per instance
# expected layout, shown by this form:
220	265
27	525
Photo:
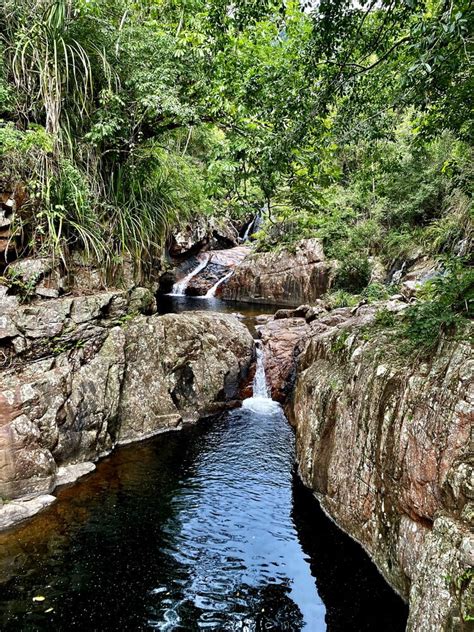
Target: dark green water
204	529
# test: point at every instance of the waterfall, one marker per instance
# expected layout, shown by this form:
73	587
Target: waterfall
253	226
261	401
396	277
247	232
179	288
260	388
212	292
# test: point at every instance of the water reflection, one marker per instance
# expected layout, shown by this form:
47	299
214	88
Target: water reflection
195	530
247	311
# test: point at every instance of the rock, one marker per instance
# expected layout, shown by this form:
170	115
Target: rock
203	233
281	339
47	292
69	474
41	276
205	280
141	301
439	598
30	270
384	444
7	328
219	264
84	278
10	202
308	312
93	374
14	513
5	218
378	272
190	240
230	258
45	328
316	311
183	365
284	313
223	234
283	277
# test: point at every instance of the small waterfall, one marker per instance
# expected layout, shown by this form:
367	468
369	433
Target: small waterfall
396	277
212	292
179	288
253	226
260	387
247	232
261	401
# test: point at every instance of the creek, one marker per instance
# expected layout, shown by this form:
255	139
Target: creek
208	528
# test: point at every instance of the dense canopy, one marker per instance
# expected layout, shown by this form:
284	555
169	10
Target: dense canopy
351	121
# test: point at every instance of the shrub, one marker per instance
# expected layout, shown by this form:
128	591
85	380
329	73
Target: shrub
447	302
353	275
384	318
376	292
341	298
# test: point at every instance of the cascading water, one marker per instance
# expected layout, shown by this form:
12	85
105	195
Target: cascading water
253	226
212	292
179	288
260	387
261	401
247	232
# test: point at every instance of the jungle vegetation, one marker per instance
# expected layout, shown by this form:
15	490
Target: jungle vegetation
352	122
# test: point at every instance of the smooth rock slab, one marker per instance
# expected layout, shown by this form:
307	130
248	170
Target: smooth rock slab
15	512
69	474
282	277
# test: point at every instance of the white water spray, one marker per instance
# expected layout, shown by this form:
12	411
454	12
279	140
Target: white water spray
261	401
212	292
179	288
247	232
254	226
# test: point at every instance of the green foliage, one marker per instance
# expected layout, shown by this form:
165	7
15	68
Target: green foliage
385	319
353	274
341	298
121	120
377	292
446	304
339	344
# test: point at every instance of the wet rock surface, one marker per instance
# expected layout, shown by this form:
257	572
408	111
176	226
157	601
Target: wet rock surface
386	445
282	339
281	277
218	264
203	233
83	374
203	282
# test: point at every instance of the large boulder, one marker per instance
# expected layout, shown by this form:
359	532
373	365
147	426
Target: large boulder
183	366
203	233
282	277
89	373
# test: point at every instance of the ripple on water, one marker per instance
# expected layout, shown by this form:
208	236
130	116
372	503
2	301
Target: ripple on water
187	532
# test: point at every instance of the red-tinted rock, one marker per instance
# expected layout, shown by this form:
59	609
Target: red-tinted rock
282	277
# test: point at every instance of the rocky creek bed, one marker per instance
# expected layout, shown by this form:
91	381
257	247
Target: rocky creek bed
204	529
384	446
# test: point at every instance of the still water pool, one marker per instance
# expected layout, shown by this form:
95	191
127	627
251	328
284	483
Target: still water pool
203	529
